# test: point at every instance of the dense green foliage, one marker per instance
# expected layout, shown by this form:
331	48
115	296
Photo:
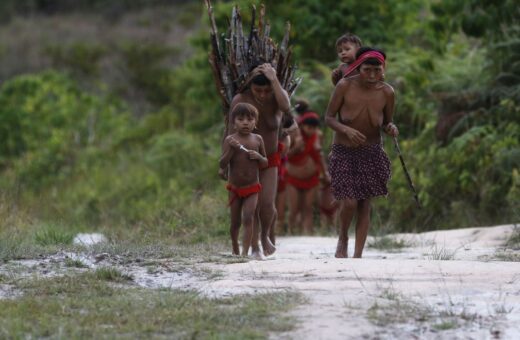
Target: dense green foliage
74	153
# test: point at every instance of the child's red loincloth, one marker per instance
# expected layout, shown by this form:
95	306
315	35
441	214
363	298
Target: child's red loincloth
243	191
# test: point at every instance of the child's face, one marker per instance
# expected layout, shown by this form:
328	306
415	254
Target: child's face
347	52
309	130
244	124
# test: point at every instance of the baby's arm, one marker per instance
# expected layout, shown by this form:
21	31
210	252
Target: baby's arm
336	76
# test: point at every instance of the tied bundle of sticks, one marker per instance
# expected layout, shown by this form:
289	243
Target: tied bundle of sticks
234	54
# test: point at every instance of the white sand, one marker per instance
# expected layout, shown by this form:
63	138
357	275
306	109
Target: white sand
481	298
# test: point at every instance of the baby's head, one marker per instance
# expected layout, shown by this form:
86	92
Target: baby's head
244	113
346	46
301	106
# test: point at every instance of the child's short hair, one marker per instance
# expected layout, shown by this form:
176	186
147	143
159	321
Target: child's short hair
349	37
370	61
244	110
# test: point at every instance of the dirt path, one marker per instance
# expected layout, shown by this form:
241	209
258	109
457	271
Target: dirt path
444	284
406	294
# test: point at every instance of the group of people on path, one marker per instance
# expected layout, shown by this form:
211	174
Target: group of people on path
263	141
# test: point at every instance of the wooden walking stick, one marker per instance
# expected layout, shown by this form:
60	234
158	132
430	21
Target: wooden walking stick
408	178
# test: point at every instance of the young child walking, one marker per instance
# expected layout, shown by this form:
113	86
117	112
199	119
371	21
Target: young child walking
346	46
243	153
359	109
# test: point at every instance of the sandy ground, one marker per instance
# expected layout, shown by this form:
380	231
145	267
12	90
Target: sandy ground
386	295
394	294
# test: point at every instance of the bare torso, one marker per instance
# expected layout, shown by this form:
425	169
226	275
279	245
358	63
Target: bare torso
305	168
362	109
244	171
269	119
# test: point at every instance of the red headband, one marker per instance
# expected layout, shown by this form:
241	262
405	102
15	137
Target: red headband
362	58
308	115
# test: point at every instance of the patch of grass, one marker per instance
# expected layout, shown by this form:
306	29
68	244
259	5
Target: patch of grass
445	325
112	274
74	263
397	311
441	254
83	306
514	240
53	236
506	256
388	243
15	246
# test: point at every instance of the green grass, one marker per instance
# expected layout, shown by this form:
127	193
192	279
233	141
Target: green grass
441	253
74	263
507	256
388	243
111	274
53	236
514	240
83	306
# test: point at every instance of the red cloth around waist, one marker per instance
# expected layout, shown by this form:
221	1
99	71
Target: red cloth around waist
304	184
273	160
243	191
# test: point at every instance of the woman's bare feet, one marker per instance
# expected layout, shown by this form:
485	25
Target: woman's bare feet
341	249
268	247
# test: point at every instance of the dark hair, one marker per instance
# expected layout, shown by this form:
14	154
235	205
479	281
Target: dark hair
260	80
311	122
301	106
370	61
244	110
349	37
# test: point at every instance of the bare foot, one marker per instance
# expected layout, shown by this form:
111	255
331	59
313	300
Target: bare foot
341	249
257	255
236	249
268	247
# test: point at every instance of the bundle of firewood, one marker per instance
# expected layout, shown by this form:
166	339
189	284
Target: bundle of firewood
234	54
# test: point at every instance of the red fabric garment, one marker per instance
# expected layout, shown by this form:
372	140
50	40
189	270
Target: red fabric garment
273	160
301	157
243	192
362	58
304	184
282	170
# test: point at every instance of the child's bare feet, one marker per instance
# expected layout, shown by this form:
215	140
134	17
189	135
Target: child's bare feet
341	249
268	247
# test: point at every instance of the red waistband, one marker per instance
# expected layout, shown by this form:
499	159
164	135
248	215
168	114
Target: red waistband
304	184
273	160
243	191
